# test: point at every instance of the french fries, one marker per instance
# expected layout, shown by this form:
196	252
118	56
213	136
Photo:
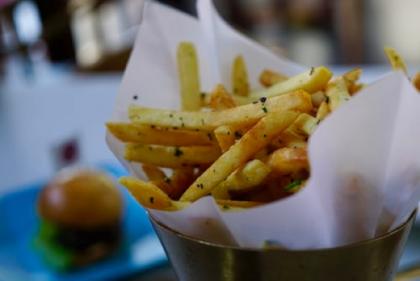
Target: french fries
220	99
171	156
244	148
269	77
153	173
239	116
416	81
149	195
254	140
251	175
240	82
288	160
188	76
337	93
395	59
149	134
311	81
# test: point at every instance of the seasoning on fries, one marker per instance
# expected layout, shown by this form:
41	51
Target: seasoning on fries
245	148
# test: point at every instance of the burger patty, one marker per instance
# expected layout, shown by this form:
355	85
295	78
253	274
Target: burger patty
82	239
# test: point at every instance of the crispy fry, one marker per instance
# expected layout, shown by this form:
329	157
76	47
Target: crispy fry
352	76
220	99
337	93
149	195
251	175
244	115
145	134
304	125
239	116
311	81
180	180
318	98
233	204
253	141
269	77
323	111
355	88
395	59
240	82
189	76
171	156
416	81
288	160
153	173
227	135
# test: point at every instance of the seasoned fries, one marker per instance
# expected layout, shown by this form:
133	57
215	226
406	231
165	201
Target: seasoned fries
395	59
254	140
240	83
244	148
220	99
269	77
251	175
145	134
171	156
239	116
311	81
188	76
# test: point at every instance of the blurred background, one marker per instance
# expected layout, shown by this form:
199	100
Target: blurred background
61	64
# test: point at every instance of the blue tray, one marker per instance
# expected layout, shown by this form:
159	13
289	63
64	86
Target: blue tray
19	260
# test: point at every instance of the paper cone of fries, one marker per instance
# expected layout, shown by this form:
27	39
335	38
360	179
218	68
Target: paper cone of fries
363	150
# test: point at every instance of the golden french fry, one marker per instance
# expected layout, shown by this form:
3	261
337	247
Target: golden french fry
153	173
148	194
180	180
249	176
323	111
146	134
352	76
395	59
304	125
244	115
288	160
253	141
171	156
311	81
220	99
355	88
227	135
337	93
318	98
416	81
240	82
189	77
233	204
269	77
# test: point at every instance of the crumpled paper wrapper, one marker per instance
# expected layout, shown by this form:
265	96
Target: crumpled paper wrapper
365	157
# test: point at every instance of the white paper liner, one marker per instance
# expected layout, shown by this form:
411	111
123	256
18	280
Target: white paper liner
365	170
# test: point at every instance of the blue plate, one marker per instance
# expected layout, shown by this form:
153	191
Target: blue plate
19	260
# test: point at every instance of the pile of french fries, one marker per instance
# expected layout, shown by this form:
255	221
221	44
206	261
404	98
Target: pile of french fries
244	147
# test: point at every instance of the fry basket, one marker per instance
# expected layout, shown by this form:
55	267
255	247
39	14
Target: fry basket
371	260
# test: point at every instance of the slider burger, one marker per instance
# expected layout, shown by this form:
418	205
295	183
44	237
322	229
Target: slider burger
81	214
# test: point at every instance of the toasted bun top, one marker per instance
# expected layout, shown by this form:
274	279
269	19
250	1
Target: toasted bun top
81	198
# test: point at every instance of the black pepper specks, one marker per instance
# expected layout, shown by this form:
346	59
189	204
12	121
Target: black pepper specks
152	200
210	136
178	152
238	135
135	97
263	99
312	70
200	185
